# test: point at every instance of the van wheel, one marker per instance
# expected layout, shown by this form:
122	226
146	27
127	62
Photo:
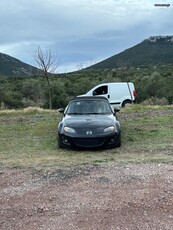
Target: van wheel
126	103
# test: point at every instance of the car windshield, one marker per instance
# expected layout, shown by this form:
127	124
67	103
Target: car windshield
89	107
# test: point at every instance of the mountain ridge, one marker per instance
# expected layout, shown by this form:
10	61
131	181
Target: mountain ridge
154	50
10	67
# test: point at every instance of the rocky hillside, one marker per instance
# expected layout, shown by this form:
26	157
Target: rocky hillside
155	50
10	67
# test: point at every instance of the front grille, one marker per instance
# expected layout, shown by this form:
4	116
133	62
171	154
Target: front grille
83	131
89	142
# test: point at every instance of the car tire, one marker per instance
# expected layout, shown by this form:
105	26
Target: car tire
126	103
119	141
60	143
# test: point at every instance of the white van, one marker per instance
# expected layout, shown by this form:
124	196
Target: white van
119	94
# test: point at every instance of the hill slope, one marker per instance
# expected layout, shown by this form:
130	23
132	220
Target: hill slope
10	67
155	50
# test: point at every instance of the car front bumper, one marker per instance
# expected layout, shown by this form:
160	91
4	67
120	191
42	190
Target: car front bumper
90	142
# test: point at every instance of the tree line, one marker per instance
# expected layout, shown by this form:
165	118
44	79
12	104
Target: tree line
20	92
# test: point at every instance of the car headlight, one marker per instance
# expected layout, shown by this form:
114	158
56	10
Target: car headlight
109	129
69	130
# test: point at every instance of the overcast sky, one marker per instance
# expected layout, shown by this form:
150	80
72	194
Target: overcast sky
79	32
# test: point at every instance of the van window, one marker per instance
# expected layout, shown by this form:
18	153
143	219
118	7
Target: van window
101	90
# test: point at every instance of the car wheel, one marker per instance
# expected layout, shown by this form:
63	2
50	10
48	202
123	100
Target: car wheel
126	103
118	141
60	143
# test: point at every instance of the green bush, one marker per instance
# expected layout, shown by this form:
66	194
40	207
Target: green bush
13	100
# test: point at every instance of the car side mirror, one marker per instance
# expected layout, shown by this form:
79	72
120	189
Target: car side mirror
116	110
61	110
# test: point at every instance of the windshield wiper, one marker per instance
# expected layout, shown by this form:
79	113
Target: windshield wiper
94	113
74	113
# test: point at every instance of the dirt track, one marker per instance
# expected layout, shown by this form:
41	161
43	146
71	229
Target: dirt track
88	198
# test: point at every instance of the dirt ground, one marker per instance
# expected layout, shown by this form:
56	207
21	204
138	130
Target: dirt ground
89	198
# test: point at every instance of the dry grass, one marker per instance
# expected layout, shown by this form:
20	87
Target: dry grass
28	138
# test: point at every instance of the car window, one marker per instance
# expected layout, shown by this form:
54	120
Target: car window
102	107
101	90
89	107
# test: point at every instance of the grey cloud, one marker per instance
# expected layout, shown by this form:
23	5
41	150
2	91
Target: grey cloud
78	31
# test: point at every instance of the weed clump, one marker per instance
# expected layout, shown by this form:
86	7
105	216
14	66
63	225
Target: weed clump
155	101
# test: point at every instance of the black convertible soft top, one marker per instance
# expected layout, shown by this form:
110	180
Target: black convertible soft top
90	98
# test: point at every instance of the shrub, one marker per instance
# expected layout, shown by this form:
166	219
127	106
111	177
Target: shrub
155	101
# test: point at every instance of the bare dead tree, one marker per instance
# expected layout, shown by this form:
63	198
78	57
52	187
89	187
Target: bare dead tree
47	63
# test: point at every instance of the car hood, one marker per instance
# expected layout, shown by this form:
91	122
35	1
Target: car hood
89	120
